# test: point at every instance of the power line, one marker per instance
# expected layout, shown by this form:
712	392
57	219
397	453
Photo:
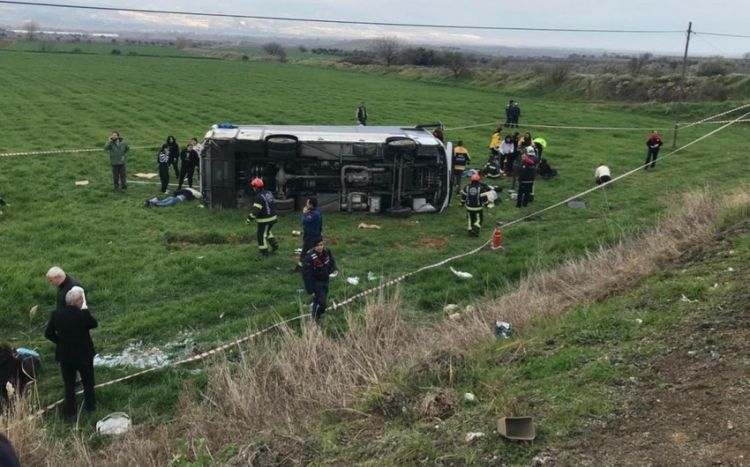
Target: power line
720	34
338	21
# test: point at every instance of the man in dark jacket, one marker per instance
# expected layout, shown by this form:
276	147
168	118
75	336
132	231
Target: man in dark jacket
526	181
57	277
475	196
515	114
8	456
317	267
653	143
312	226
174	155
189	160
263	213
362	114
69	330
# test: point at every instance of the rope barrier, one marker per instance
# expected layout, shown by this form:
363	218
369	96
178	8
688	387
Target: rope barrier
384	285
62	151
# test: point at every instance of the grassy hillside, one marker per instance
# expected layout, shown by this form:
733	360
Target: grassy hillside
160	275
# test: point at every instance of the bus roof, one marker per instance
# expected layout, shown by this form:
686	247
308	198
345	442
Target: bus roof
323	133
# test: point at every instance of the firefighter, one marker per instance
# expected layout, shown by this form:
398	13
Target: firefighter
475	196
263	213
461	159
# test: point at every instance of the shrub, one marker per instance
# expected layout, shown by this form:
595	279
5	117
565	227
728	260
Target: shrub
715	67
275	49
116	52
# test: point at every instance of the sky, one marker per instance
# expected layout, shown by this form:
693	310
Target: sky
718	16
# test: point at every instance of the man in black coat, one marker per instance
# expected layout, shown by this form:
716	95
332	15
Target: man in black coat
57	277
317	266
69	330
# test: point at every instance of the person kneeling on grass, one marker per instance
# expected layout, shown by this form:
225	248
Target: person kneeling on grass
318	265
184	194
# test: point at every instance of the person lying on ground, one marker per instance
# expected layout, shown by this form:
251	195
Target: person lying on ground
184	194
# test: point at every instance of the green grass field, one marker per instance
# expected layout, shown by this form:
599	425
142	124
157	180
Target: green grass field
155	275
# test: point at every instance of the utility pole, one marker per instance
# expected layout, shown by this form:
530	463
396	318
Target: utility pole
682	86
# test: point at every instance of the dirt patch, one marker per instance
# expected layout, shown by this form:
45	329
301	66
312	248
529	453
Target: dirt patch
689	404
430	243
5	44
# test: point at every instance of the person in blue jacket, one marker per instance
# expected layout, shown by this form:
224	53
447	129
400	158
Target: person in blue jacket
312	227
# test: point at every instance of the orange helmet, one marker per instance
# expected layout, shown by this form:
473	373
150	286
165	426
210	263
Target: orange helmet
256	183
475	177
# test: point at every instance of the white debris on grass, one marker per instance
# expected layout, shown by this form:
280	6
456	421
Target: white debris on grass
352	280
473	436
139	355
461	274
451	308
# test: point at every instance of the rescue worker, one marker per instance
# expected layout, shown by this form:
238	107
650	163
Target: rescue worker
494	167
263	212
312	227
318	265
495	141
461	159
475	196
653	143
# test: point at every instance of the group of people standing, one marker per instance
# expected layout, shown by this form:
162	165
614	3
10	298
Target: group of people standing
182	162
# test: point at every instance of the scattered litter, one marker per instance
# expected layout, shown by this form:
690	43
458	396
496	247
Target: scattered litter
451	308
469	397
148	176
298	251
633	379
473	436
200	257
362	225
730	269
221	316
352	280
692	352
32	311
116	423
371	276
461	274
716	285
454	316
685	299
296	233
82	182
517	428
638	321
577	204
300	290
503	330
730	425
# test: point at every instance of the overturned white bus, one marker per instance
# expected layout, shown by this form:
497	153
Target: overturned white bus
395	170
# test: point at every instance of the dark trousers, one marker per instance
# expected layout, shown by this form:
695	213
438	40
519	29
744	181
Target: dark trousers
457	180
651	156
176	170
265	237
164	176
474	220
508	166
320	296
86	370
525	189
119	176
187	170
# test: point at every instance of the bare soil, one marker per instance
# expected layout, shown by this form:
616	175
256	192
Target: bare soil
690	404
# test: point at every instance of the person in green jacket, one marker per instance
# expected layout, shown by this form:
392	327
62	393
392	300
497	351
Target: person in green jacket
118	150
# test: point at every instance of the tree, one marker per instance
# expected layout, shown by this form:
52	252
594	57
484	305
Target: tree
746	56
31	28
457	63
274	49
636	64
386	48
183	42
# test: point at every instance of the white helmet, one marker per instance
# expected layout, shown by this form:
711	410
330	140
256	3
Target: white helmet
530	150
